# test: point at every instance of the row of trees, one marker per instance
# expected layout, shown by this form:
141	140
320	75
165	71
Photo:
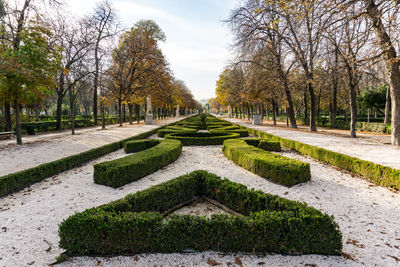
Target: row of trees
46	59
313	55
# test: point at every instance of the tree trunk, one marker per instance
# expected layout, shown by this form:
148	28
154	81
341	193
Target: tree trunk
58	112
17	107
72	116
95	81
290	109
130	110
387	106
274	111
37	112
248	111
120	112
334	106
137	110
313	110
305	108
393	67
124	111
103	118
353	108
369	115
7	117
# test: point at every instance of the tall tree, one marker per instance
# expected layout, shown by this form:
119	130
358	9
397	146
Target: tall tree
104	24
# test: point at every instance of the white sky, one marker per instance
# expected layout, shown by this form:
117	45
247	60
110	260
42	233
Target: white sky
197	45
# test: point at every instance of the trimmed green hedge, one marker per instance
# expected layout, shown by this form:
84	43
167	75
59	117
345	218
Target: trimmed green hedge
241	132
264	144
139	145
135	224
382	175
16	181
201	139
274	167
177	129
122	171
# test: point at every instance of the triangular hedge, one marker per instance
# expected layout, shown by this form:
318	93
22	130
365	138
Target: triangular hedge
135	224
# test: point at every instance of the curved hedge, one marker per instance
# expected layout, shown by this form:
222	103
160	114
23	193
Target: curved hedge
139	145
122	171
202	139
139	223
176	129
241	132
264	144
274	167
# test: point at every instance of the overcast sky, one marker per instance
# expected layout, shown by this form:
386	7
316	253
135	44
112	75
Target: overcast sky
197	45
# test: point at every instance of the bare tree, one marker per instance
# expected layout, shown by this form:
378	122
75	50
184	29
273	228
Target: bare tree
104	24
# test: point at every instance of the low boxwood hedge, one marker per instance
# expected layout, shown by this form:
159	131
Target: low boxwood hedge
135	224
201	138
139	145
264	144
177	129
122	171
16	181
241	132
273	167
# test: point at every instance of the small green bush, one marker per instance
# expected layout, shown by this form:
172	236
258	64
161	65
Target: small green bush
135	224
202	139
122	171
273	167
139	145
163	132
264	144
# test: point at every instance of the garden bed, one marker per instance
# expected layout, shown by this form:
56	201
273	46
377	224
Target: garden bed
202	138
125	170
135	223
273	167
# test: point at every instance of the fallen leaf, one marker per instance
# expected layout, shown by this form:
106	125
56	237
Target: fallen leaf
238	262
48	249
310	265
261	263
348	256
286	193
213	262
98	263
31	263
394	257
136	258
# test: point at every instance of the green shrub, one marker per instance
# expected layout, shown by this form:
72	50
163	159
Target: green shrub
122	171
163	132
135	224
264	144
241	132
273	167
202	139
382	175
139	145
16	181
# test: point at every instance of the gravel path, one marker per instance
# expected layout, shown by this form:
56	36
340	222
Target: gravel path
362	148
368	215
55	146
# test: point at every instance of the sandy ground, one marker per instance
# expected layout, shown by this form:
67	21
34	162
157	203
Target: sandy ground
363	148
368	215
53	146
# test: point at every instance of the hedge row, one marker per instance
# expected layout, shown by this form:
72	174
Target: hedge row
202	139
241	132
382	175
139	145
264	144
16	181
274	167
176	129
135	224
122	171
